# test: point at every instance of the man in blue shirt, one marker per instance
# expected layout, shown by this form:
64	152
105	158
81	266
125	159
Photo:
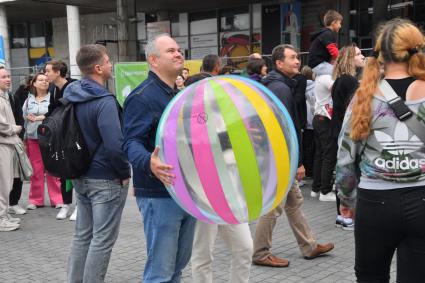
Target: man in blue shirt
168	228
102	191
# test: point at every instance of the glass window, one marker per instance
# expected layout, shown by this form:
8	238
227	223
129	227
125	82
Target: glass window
203	23
256	28
364	5
365	23
37	35
419	13
234	37
203	34
401	8
49	34
19	35
234	19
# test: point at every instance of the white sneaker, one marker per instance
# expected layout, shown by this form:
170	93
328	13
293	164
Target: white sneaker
16	209
314	194
301	183
31	206
73	216
13	219
63	212
328	197
6	225
346	224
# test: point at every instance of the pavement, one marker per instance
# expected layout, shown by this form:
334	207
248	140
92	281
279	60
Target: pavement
38	251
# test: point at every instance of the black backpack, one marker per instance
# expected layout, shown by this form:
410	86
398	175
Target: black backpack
62	144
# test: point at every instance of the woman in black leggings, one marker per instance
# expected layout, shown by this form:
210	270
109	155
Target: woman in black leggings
388	200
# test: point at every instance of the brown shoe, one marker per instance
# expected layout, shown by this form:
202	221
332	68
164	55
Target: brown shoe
272	261
320	249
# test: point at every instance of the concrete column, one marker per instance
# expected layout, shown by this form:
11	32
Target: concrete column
4	32
132	31
74	42
122	28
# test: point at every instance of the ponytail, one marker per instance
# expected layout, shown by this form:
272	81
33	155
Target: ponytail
417	66
361	114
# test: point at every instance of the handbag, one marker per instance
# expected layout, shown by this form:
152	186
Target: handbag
25	168
402	111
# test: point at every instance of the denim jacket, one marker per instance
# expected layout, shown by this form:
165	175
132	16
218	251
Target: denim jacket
142	111
32	106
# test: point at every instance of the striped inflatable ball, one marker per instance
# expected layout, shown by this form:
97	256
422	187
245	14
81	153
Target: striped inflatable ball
233	148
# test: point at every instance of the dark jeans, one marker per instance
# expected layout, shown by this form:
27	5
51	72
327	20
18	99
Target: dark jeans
308	152
323	163
15	194
66	196
386	221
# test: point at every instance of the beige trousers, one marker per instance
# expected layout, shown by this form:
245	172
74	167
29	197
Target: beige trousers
238	240
296	218
6	176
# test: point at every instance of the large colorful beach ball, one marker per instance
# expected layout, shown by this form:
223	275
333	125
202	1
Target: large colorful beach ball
233	148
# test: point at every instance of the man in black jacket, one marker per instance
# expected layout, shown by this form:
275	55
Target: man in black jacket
280	82
56	72
211	66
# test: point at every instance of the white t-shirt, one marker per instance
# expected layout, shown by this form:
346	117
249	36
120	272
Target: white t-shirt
322	93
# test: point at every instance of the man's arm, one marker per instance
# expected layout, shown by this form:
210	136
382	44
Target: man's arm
110	131
329	41
137	124
6	128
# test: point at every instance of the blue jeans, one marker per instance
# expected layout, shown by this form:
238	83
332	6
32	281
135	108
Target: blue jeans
169	232
100	205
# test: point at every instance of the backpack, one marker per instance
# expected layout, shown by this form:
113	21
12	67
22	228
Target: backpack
63	149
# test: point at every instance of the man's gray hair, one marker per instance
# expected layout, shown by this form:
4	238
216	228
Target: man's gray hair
151	48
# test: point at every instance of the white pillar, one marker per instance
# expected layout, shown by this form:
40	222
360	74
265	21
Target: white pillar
4	32
74	42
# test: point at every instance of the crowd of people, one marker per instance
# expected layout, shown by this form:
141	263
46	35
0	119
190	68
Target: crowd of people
357	141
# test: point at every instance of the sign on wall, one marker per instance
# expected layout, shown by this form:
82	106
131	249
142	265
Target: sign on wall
129	75
2	56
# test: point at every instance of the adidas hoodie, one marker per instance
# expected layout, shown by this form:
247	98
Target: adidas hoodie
392	157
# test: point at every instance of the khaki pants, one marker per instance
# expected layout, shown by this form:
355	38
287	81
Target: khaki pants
238	240
296	218
6	176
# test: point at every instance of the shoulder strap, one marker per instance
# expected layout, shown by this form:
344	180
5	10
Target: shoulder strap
402	111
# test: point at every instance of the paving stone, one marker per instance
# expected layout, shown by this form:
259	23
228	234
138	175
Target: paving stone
38	252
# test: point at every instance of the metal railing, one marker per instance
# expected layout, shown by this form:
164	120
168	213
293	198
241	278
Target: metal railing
231	64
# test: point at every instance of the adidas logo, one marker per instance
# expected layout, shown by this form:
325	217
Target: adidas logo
399	147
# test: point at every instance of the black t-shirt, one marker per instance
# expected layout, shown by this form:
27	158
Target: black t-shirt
55	96
342	92
318	52
400	86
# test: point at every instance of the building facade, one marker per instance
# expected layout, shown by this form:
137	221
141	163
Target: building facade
231	30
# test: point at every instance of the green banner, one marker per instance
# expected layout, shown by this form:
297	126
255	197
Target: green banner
127	77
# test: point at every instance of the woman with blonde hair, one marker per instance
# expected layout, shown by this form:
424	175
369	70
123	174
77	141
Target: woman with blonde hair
348	62
388	200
